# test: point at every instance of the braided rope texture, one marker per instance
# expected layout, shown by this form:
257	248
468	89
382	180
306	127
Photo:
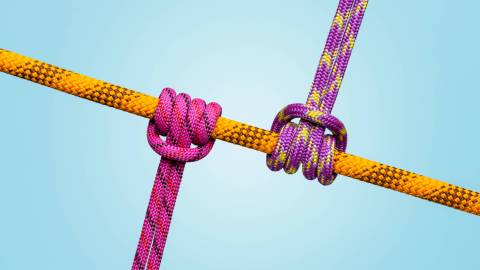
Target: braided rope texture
407	182
307	144
78	85
234	132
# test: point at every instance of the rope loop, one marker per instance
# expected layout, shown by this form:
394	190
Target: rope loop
183	121
307	144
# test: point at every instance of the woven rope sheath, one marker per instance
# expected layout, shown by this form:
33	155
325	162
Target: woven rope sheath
238	133
407	182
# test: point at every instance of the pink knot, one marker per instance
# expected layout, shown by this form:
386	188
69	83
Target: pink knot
183	121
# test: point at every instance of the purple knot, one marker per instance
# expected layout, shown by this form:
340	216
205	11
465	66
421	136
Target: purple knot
306	143
183	121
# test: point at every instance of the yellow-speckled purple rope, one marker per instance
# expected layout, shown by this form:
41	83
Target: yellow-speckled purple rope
306	143
238	133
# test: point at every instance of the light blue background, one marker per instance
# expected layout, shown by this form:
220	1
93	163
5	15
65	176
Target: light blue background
75	176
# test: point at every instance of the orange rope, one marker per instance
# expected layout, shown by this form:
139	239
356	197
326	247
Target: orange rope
238	133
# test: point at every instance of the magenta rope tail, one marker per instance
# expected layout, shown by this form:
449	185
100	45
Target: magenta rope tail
307	144
184	122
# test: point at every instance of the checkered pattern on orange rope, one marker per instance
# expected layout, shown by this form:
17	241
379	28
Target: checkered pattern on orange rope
238	133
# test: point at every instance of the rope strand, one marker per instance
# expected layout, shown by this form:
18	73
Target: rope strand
235	132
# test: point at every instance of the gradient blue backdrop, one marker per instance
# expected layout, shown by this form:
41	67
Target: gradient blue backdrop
75	176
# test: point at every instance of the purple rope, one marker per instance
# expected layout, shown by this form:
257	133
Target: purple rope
183	121
307	144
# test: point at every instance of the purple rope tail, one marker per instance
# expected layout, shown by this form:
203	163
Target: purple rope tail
183	121
306	143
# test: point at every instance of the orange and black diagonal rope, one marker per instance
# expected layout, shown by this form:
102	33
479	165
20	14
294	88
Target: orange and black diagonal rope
238	133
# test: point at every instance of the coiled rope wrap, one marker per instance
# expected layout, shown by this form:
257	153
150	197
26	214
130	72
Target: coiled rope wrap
307	145
183	121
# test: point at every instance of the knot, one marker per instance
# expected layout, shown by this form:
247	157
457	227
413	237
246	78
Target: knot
306	143
183	121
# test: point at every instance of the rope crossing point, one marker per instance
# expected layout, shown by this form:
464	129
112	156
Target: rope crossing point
184	121
306	142
242	134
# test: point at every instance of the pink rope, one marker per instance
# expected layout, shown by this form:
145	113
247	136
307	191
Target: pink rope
183	121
